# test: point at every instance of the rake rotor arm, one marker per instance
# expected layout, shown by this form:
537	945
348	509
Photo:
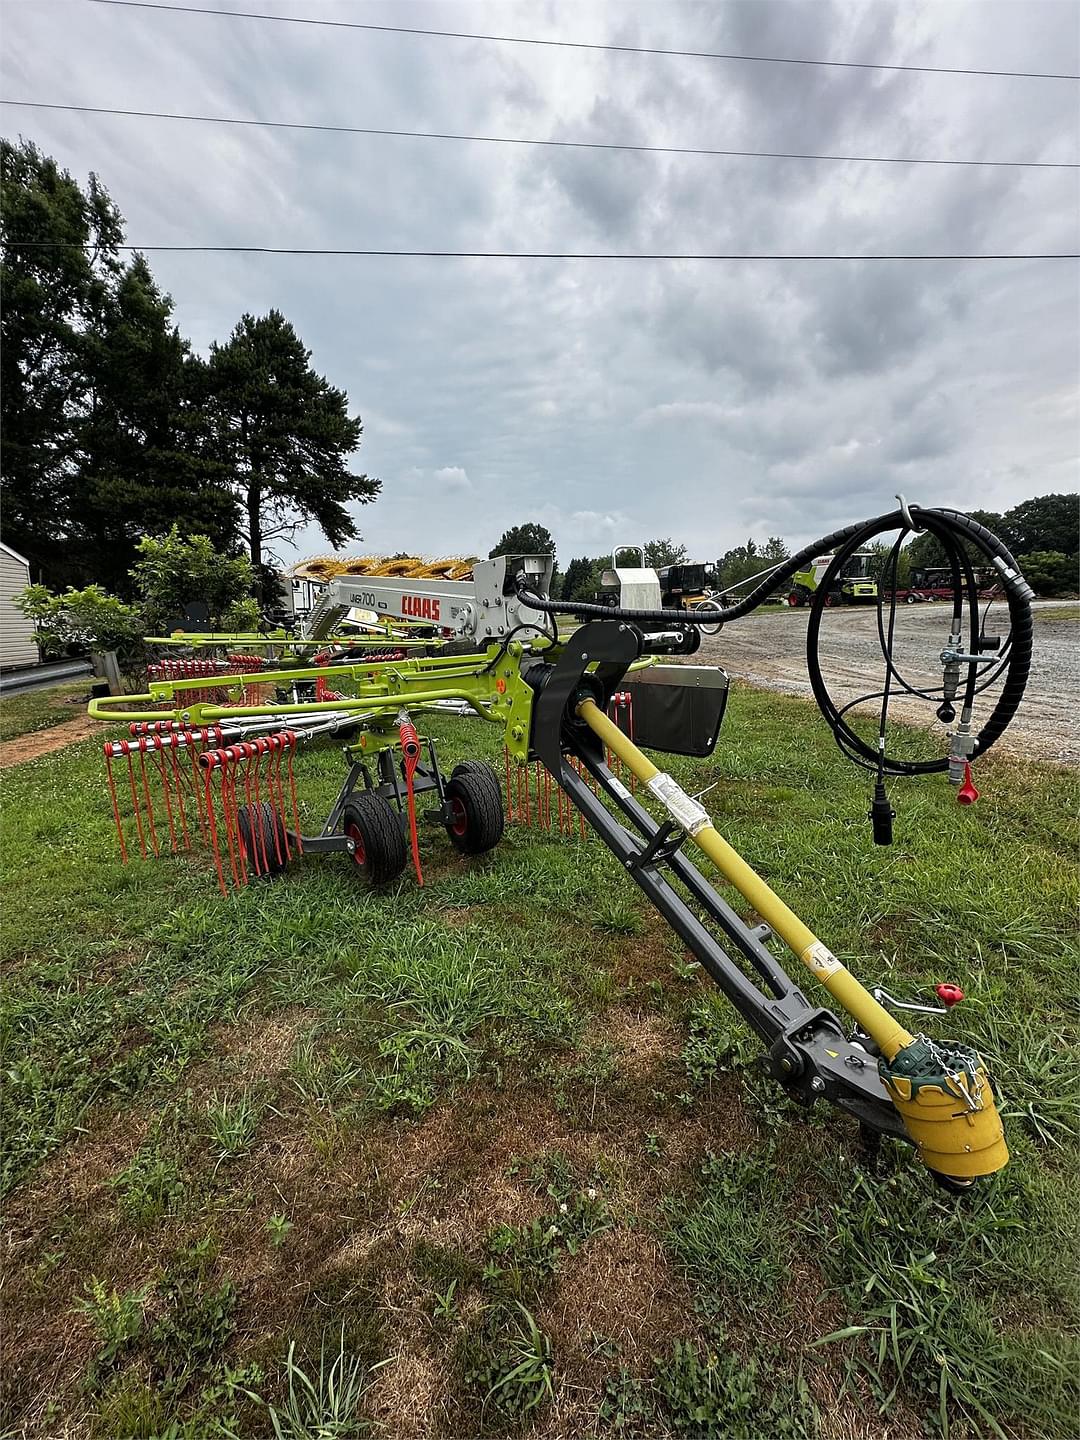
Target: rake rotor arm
381	689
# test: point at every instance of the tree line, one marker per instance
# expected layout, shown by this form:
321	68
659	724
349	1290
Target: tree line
1043	533
112	428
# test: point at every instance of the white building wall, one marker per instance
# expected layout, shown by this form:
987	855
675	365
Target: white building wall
16	632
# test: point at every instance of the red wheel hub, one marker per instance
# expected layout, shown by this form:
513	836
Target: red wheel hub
359	854
459	822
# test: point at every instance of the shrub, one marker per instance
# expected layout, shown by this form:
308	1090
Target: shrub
89	619
175	570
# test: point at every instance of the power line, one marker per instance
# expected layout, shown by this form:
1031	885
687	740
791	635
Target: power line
515	140
516	254
585	44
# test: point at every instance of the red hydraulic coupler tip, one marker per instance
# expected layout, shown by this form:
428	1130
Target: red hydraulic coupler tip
967	794
949	995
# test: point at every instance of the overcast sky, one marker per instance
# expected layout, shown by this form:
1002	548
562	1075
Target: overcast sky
613	401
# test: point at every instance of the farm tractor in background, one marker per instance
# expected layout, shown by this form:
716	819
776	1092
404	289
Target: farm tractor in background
685	586
853	585
209	754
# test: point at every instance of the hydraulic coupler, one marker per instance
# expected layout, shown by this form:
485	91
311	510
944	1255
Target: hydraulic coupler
946	1100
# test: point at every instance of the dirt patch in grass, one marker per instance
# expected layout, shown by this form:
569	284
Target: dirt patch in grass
450	1180
646	1044
459	916
359	1194
410	1396
642	958
73	1181
617	1303
56	1231
261	1047
44	742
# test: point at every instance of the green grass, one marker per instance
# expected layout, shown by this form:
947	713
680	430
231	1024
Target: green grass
265	1153
1058	612
41	709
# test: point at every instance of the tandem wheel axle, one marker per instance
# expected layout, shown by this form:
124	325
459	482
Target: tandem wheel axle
369	819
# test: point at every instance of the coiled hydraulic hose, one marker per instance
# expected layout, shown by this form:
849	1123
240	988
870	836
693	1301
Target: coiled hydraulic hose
950	528
953	529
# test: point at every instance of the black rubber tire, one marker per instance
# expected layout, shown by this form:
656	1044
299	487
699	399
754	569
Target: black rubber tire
375	826
262	840
954	1184
475	795
474	767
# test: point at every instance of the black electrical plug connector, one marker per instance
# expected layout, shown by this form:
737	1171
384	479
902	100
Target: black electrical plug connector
881	815
946	712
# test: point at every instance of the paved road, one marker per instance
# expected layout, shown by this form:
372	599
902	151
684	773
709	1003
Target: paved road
769	649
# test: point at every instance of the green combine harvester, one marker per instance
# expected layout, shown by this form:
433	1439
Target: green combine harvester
853	586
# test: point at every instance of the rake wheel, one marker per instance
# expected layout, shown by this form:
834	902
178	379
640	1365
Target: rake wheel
374	827
475	799
262	839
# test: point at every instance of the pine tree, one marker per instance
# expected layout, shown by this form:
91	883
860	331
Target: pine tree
285	434
102	430
59	254
527	539
146	457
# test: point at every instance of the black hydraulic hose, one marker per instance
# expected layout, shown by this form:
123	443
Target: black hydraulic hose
723	614
951	527
887	650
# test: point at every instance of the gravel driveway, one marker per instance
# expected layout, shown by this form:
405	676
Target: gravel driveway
768	648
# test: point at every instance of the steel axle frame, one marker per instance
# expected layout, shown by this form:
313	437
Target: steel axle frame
808	1050
389	785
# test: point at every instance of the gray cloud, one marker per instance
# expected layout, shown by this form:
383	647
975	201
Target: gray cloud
614	401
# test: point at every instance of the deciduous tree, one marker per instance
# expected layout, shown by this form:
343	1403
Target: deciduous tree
582	578
1049	572
659	553
1046	522
174	570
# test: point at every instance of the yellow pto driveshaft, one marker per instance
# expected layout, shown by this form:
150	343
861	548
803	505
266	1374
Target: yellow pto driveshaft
942	1092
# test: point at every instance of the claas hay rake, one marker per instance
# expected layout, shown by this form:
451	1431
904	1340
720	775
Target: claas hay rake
578	711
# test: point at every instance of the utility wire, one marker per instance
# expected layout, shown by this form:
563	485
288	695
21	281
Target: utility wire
584	44
514	140
512	254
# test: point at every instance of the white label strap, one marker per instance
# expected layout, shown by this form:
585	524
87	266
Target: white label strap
683	808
